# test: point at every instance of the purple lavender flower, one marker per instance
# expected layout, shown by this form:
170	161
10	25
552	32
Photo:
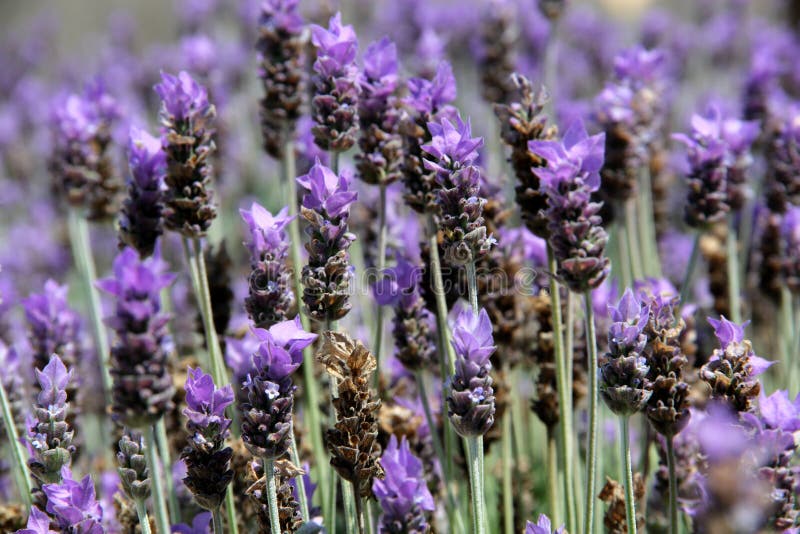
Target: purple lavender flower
778	411
50	435
38	523
326	278
201	524
208	469
81	161
470	404
187	120
542	526
622	377
271	298
280	47
431	98
790	248
451	153
403	494
381	146
568	180
140	222
335	104
142	386
74	507
267	412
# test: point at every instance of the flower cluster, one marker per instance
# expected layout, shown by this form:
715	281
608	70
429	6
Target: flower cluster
140	222
187	127
269	391
208	470
326	208
142	386
270	298
81	163
280	47
134	476
568	180
334	106
470	404
71	507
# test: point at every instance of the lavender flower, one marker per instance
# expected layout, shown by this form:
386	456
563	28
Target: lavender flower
208	469
187	120
451	154
280	46
134	474
380	143
140	222
568	180
470	404
718	154
74	507
267	412
50	435
81	162
783	159
498	35
38	523
271	298
335	103
542	526
403	493
623	384
142	386
201	524
790	248
326	208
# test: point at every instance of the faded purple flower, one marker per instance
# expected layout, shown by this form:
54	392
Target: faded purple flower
201	524
779	412
542	526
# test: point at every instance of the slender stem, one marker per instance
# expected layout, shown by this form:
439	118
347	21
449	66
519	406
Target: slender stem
474	446
785	331
156	482
215	353
163	451
334	161
633	243
204	356
649	237
141	512
564	404
377	346
687	278
230	510
734	287
508	492
359	509
472	287
569	341
552	477
625	444
216	517
272	496
301	484
551	69
673	487
20	466
591	446
623	255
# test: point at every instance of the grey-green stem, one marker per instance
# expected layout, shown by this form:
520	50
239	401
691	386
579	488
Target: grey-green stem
156	482
591	438
377	346
20	465
216	517
690	268
163	451
272	496
630	500
144	520
474	447
673	486
732	266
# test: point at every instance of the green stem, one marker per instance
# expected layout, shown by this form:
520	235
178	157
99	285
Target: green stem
20	465
301	484
377	346
163	451
334	161
474	446
623	255
141	512
309	380
508	492
216	517
564	404
159	505
591	447
648	226
734	287
472	287
785	330
633	243
673	487
625	445
359	509
272	496
218	371
552	477
690	268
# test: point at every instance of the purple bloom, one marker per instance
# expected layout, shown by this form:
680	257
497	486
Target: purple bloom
542	526
182	98
329	194
205	402
38	523
451	147
337	46
140	217
74	507
729	333
429	97
403	493
779	412
577	154
201	524
630	317
380	76
267	231
280	351
238	354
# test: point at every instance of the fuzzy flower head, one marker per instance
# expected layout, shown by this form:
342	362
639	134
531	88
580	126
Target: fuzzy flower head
403	492
137	280
639	66
542	526
74	507
629	320
428	97
181	96
329	194
206	403
280	350
380	76
576	155
451	146
53	380
146	158
267	231
472	335
336	46
281	15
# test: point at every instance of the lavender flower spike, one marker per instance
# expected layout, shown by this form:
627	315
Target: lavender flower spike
334	107
187	127
568	180
271	298
140	222
208	469
142	386
470	405
326	278
403	493
74	507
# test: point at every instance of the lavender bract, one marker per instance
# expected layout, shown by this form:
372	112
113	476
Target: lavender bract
74	507
542	526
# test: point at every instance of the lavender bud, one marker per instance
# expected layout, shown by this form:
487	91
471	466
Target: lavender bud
133	472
